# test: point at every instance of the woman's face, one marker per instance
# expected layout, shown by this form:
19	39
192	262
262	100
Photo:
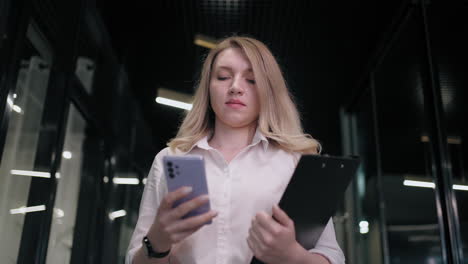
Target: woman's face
233	92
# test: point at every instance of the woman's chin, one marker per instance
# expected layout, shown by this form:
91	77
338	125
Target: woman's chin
237	124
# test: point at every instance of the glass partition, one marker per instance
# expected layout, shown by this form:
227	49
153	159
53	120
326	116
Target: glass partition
450	52
407	182
26	105
66	199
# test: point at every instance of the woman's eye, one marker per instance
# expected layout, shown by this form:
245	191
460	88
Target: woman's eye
251	81
222	78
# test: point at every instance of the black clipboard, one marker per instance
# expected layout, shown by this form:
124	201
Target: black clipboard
314	193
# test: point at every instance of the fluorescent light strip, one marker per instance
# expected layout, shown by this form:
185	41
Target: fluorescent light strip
432	185
23	210
173	103
132	181
116	214
30	173
419	184
460	187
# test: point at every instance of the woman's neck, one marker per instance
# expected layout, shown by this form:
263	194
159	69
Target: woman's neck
229	139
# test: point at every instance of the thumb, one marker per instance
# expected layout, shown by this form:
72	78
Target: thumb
281	216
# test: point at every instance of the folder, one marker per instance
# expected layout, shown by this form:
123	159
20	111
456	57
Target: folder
314	192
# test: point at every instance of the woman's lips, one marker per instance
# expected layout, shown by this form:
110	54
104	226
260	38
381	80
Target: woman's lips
235	105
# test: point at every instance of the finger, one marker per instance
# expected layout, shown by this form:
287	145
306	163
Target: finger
268	223
260	233
186	207
174	196
281	216
257	240
254	245
194	222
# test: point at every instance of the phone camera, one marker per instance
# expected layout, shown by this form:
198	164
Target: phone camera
171	175
169	164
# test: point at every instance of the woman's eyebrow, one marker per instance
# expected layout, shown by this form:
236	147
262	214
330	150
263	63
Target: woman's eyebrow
230	69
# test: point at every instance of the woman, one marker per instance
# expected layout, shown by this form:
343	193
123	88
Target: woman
247	128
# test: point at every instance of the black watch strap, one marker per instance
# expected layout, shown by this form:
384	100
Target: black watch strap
150	252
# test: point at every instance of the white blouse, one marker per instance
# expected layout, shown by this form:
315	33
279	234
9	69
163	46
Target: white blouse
252	182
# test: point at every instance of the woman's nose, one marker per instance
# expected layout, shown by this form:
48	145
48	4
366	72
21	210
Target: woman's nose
236	87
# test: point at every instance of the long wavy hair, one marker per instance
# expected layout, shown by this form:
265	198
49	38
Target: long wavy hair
278	120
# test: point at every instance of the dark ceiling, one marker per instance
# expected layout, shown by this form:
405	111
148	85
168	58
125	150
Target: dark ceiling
323	47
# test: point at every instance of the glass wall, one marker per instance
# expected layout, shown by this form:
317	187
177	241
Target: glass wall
26	105
448	29
366	221
66	199
392	129
411	211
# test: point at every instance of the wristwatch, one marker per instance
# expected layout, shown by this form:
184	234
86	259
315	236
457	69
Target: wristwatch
150	253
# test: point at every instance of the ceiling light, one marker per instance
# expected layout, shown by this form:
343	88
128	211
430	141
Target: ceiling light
419	184
173	103
116	214
460	187
427	184
17	109
205	41
67	154
59	213
363	227
174	99
131	181
30	173
23	210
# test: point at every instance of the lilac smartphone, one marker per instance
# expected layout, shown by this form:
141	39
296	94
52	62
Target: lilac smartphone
187	170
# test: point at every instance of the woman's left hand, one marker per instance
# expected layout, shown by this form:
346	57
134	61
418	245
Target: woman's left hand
273	240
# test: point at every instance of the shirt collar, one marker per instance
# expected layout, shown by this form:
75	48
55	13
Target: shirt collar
257	138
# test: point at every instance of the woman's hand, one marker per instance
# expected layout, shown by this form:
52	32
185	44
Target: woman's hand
273	241
168	227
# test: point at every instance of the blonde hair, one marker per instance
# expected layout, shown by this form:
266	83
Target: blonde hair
278	119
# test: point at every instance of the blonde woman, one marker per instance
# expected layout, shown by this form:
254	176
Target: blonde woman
248	130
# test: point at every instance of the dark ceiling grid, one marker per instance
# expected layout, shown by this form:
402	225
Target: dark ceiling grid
190	26
209	27
187	32
246	17
295	44
223	17
179	18
265	9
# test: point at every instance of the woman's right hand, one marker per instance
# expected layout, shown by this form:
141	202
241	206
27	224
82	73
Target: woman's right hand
169	228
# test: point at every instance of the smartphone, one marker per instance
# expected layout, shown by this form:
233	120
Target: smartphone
188	170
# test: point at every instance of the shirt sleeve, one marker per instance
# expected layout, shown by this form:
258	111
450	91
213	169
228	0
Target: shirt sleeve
327	245
155	189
